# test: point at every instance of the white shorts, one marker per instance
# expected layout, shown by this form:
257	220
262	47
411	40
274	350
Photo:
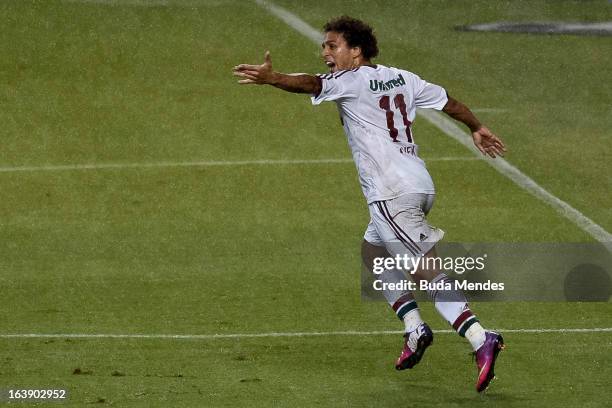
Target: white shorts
399	225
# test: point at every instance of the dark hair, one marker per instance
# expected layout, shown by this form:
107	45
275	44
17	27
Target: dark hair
356	33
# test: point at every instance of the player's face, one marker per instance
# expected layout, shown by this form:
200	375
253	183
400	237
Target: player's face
337	54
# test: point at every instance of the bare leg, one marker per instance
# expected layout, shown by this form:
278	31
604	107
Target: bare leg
402	302
370	251
450	303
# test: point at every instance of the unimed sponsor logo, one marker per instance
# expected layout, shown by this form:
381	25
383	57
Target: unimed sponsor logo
385	86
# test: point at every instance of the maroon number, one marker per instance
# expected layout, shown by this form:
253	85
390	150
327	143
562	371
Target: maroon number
386	106
398	100
401	105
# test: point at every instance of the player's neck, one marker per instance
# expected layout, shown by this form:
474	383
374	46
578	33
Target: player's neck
361	62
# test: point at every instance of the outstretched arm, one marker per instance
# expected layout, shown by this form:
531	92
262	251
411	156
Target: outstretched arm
483	138
264	75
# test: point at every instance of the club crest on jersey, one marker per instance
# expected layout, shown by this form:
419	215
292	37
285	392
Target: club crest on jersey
385	86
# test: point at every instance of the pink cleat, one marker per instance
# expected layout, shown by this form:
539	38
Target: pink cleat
485	359
415	344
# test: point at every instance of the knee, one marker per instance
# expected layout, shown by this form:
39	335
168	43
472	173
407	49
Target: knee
370	251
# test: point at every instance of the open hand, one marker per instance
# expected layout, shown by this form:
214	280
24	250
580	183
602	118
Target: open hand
256	74
488	143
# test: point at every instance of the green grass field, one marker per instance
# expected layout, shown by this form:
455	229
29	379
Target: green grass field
274	248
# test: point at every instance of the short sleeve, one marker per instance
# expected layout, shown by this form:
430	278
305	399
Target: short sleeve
427	95
335	86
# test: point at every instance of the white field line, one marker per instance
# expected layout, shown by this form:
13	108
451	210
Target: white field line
450	128
293	21
273	334
111	166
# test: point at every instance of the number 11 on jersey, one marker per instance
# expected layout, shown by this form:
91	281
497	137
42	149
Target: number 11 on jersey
385	104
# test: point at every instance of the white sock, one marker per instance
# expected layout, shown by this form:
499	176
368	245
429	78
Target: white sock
412	320
475	335
452	305
449	303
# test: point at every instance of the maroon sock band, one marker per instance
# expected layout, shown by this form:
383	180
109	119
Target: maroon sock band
462	318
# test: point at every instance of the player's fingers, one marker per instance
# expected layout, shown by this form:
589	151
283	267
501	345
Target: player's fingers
246	81
267	58
481	148
250	72
499	150
492	146
239	74
247	66
498	142
242	73
494	137
246	76
250	78
253	74
243	67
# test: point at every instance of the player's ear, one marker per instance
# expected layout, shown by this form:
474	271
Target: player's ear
355	52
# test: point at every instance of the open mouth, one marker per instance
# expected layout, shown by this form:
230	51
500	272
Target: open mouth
330	65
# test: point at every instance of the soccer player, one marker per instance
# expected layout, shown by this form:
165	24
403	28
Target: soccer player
377	106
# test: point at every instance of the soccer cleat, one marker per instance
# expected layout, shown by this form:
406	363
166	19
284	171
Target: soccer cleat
415	344
485	359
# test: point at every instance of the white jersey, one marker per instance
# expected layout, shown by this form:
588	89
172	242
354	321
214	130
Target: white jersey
377	105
